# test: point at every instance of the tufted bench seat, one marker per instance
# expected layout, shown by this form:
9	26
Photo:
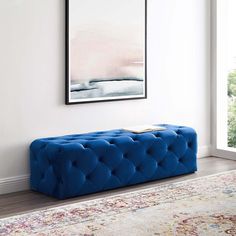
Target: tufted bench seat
79	164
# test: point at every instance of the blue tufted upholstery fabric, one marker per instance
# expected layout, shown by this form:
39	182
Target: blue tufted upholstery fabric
80	164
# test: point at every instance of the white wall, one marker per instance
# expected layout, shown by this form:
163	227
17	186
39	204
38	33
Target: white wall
32	78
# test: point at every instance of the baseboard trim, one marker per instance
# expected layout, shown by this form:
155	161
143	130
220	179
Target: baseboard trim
225	154
233	158
14	184
204	151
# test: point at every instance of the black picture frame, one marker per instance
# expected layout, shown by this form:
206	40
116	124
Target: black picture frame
68	101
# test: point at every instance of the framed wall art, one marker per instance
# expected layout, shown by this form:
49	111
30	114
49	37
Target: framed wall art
105	50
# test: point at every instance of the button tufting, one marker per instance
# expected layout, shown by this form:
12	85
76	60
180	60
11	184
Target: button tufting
125	155
87	177
160	163
115	159
138	168
149	152
43	146
60	150
59	179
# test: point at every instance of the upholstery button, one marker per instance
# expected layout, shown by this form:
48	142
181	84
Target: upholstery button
59	179
74	163
87	177
149	152
125	155
189	144
43	146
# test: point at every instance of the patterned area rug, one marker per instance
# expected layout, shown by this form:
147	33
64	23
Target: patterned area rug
203	206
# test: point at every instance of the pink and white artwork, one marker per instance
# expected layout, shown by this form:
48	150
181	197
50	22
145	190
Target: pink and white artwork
105	50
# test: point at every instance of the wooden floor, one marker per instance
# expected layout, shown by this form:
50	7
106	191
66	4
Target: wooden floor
15	203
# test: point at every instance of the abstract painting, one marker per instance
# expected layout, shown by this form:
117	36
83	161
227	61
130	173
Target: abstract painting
105	50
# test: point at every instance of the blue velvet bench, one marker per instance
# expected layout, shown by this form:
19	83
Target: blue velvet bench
79	164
